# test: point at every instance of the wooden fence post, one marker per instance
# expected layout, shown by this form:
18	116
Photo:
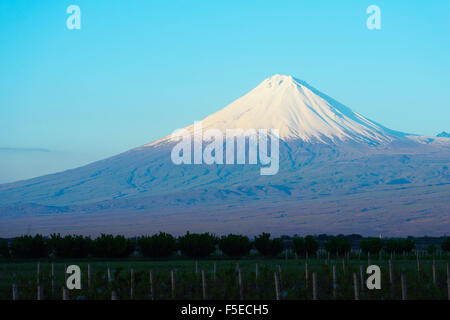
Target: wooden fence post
334	281
40	295
108	272
314	286
277	289
361	277
151	285
306	274
132	283
241	288
15	292
343	265
89	276
448	281
391	277
418	263
65	293
279	272
114	296
203	285
355	286
65	275
434	272
38	273
172	277
404	296
53	280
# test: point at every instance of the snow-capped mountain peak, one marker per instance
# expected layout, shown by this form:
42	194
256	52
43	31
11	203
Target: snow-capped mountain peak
298	111
337	187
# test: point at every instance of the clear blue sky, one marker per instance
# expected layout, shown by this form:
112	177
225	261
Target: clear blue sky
139	69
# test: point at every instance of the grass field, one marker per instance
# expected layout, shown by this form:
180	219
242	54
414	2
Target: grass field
294	281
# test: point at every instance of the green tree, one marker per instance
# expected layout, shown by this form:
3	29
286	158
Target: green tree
29	247
445	245
157	246
235	245
311	245
109	246
407	245
197	245
399	246
299	246
392	246
267	246
371	245
338	245
431	249
70	246
4	248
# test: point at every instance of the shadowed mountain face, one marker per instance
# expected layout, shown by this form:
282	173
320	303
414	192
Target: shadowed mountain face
339	173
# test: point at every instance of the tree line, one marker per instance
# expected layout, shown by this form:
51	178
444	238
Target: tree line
193	245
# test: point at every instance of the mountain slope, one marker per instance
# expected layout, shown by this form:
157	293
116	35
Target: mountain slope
333	161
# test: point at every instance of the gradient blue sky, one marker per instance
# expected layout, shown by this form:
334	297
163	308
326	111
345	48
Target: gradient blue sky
139	69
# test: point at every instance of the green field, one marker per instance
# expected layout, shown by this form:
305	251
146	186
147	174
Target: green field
224	283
